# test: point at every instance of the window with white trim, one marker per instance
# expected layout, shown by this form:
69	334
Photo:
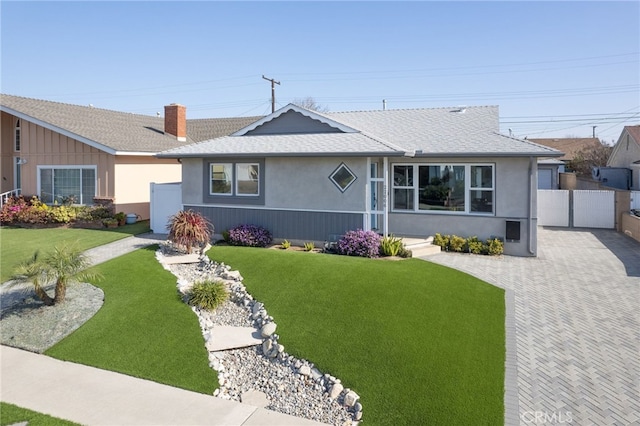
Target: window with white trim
67	184
16	136
241	179
444	187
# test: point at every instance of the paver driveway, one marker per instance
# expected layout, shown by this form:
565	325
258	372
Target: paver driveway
577	325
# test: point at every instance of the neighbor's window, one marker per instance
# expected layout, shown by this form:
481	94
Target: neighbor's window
60	185
342	177
241	179
221	178
17	136
462	188
247	179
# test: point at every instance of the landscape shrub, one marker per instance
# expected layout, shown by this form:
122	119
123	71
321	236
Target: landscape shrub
308	246
442	241
454	243
286	244
495	247
33	211
475	246
207	294
189	229
391	245
359	243
11	209
250	236
457	244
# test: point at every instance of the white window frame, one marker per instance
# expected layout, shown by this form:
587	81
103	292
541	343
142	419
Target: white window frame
467	189
231	171
236	180
68	167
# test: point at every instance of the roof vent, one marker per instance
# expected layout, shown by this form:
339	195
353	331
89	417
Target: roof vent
460	110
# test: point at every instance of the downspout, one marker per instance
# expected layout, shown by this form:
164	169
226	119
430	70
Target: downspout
530	218
385	198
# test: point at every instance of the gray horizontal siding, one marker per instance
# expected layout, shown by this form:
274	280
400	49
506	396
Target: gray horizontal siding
292	225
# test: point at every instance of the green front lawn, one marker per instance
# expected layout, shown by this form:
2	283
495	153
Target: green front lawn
11	414
143	329
420	343
19	244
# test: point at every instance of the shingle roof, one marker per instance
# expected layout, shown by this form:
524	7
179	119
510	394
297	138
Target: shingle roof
114	131
420	132
570	146
634	131
329	144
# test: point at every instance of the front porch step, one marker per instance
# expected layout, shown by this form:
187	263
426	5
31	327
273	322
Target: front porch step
421	246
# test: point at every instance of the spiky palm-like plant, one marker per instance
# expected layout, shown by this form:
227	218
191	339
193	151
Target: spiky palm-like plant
33	271
189	229
65	265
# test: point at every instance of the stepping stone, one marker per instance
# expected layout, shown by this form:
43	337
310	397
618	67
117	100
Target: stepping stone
255	398
224	337
184	258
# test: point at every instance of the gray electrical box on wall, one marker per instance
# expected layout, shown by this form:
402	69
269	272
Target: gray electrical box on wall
513	230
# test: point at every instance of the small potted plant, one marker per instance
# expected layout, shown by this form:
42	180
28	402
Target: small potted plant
121	218
110	222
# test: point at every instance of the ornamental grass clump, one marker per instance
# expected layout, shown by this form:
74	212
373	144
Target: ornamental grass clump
391	245
207	294
250	236
359	243
189	229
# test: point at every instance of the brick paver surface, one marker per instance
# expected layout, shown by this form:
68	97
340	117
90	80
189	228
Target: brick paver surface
577	322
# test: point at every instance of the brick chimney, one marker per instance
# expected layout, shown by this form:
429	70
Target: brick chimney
175	121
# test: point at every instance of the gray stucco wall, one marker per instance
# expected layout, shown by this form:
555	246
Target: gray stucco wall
511	201
303	183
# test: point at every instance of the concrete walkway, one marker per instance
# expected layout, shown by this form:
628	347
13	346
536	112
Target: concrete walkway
577	326
91	396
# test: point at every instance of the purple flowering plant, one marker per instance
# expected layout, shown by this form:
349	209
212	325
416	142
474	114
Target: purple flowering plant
250	235
359	243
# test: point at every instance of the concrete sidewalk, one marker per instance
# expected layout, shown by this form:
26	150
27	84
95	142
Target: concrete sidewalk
91	396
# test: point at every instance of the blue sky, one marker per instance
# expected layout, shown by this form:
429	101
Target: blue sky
555	68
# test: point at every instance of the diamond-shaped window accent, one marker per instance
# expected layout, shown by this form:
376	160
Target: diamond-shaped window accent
342	177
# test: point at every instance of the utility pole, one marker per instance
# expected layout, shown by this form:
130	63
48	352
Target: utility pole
273	92
594	131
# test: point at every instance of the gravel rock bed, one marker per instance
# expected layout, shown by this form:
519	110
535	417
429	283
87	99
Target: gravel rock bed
29	324
249	369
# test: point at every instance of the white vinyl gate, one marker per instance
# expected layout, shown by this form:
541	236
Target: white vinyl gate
588	209
166	200
553	207
594	209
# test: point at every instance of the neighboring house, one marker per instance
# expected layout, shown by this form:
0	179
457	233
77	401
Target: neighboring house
60	151
549	169
312	176
626	154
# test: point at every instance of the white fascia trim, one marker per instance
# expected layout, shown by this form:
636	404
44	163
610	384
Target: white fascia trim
303	111
60	130
136	153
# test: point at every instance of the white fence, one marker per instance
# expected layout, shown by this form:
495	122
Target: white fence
166	200
582	209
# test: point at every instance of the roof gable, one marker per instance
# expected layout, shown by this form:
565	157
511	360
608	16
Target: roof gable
627	148
293	119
